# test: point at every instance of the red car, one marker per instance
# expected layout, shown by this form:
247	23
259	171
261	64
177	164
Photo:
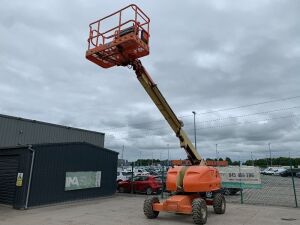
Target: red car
141	184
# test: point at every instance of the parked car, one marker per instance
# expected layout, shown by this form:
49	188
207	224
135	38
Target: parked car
153	173
264	170
141	184
123	175
289	172
298	174
137	172
141	173
278	171
269	171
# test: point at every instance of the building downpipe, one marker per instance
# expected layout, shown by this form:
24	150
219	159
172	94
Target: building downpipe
30	175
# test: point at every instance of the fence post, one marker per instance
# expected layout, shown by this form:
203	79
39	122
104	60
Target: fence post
241	190
242	197
293	181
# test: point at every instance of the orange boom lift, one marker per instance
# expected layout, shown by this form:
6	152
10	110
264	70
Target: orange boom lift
120	39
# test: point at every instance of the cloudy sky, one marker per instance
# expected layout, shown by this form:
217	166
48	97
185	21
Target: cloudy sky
236	63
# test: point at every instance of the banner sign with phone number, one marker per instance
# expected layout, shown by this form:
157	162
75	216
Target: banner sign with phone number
245	177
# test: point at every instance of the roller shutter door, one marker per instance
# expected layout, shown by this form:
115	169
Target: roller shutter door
8	175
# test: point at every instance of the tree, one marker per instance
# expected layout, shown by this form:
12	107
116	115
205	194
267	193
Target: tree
280	161
236	163
228	160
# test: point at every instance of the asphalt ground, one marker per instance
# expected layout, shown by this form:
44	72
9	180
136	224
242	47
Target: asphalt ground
126	209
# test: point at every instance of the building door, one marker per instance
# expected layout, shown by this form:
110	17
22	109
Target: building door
8	177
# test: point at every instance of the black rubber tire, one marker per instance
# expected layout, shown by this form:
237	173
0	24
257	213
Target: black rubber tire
219	203
149	191
148	207
199	211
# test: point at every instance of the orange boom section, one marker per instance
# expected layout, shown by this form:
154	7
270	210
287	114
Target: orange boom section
175	178
126	41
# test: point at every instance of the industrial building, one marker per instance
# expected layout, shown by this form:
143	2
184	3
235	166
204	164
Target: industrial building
19	131
49	173
42	163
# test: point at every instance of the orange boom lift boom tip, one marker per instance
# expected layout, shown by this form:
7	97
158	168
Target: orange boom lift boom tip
123	44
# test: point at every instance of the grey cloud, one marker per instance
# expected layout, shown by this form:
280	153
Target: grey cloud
205	56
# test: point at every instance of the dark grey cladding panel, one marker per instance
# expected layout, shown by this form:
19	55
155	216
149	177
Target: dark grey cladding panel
51	162
18	131
54	160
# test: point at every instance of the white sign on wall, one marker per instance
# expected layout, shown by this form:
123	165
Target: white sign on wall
82	180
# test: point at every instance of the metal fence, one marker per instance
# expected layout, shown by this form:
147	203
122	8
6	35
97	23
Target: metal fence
275	191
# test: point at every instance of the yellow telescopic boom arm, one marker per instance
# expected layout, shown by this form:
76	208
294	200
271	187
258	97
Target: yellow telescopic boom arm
163	106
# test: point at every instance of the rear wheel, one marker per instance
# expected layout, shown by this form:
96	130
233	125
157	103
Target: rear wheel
148	207
219	203
199	211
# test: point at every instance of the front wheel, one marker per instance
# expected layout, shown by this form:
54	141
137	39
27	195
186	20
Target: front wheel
199	211
219	203
148	207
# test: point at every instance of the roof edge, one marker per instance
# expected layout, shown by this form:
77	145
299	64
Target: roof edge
49	124
53	144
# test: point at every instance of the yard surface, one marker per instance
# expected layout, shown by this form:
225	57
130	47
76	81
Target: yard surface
124	209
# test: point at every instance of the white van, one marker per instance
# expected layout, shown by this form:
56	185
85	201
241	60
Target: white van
269	170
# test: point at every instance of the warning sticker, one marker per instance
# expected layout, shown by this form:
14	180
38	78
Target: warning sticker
19	182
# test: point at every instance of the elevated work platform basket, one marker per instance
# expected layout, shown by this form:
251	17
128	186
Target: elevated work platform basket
119	38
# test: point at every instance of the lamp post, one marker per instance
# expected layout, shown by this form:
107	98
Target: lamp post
168	155
123	161
140	158
152	157
217	152
270	154
195	129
